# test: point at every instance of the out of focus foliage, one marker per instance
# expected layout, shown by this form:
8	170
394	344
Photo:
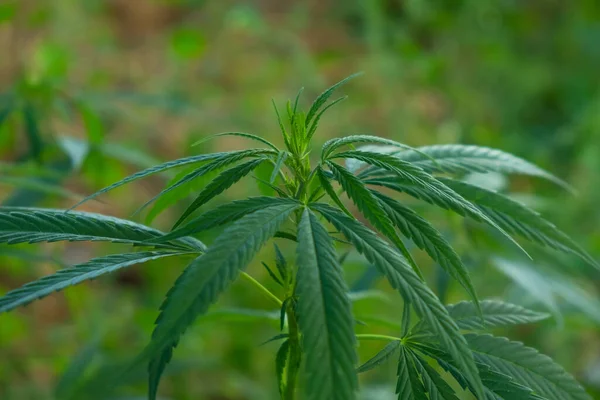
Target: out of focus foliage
92	90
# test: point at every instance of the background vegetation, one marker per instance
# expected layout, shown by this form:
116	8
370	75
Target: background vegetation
91	91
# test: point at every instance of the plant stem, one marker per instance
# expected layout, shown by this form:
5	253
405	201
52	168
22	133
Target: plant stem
295	354
378	337
263	289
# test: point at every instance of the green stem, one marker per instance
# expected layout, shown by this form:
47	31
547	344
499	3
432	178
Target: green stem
378	337
263	289
295	355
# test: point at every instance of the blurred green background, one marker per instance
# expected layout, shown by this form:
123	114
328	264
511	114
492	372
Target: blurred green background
91	91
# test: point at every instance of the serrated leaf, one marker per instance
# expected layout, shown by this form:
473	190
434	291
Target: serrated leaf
498	386
171	164
77	274
205	169
326	185
434	384
33	225
222	182
280	364
495	314
379	358
526	366
426	186
409	386
224	214
402	278
283	155
517	219
272	274
275	338
502	387
280	262
315	124
456	158
427	238
333	144
324	315
372	209
206	278
240	134
323	97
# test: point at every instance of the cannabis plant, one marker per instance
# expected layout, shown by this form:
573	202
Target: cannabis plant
442	355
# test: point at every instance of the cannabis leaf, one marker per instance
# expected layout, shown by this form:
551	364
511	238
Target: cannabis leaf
206	277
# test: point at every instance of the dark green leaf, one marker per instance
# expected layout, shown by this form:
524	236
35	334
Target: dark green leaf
323	97
222	182
33	225
224	214
77	274
371	208
324	315
518	219
205	279
526	366
495	314
427	238
173	164
380	357
411	287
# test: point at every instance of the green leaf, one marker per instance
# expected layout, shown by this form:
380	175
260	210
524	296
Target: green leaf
409	285
285	135
32	130
371	208
77	274
456	158
503	387
498	386
172	164
324	315
206	278
280	261
222	182
427	238
495	314
434	384
323	97
315	124
283	155
517	219
33	225
418	183
240	134
526	366
280	364
379	358
409	386
205	169
272	274
326	185
224	214
333	144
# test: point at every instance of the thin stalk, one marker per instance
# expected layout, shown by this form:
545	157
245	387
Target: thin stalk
378	337
295	355
263	289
